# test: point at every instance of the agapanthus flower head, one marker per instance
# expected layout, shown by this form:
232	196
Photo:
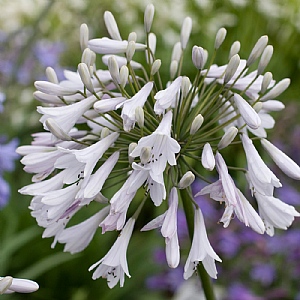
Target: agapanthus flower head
126	129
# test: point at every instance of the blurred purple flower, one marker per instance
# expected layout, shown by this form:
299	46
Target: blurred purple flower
289	195
157	282
276	245
42	53
2	99
48	52
8	154
264	273
238	291
7	157
229	243
182	229
167	281
4	192
159	256
248	236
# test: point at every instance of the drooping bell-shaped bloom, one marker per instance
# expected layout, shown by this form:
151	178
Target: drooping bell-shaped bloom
97	180
165	98
130	105
113	265
286	164
201	250
39	160
260	177
78	237
163	146
66	116
224	190
90	155
121	201
275	213
168	224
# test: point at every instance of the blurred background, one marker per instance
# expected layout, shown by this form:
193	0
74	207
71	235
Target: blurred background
35	34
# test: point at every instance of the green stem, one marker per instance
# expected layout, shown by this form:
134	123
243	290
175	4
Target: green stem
189	213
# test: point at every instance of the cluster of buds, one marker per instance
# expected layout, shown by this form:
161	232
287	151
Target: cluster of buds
125	129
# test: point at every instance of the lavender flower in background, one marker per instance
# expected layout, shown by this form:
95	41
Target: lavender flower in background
2	99
14	64
164	131
7	157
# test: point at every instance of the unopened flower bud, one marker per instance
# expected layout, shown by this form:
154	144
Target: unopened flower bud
220	37
266	82
139	116
186	180
114	69
247	112
196	124
173	68
112	26
185	31
265	59
258	106
91	69
54	89
5	283
176	52
228	137
279	88
93	58
152	46
132	37
272	105
207	157
286	164
86	56
124	73
54	128
155	66
145	154
235	48
131	147
199	57
152	42
51	75
231	67
85	76
84	36
257	50
104	133
185	86
10	285
130	50
148	17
